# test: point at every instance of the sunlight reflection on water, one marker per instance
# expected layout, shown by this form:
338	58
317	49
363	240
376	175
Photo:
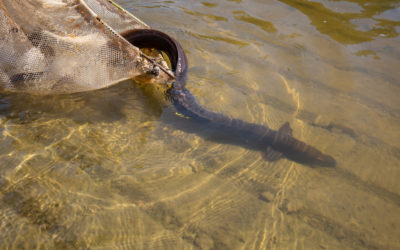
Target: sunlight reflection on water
110	169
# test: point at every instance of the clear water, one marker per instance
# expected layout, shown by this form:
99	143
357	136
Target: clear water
111	169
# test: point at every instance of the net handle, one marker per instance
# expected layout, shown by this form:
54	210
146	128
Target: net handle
128	13
98	18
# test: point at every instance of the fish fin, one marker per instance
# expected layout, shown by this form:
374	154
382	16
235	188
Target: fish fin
271	155
285	128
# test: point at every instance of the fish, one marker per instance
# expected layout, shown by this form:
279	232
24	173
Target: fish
274	144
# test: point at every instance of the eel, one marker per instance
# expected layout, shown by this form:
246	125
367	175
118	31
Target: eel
273	143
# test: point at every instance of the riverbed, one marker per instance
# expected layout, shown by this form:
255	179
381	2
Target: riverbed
113	168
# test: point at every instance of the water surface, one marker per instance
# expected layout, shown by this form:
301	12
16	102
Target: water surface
112	168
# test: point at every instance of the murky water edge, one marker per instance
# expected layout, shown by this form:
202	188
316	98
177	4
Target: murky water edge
111	168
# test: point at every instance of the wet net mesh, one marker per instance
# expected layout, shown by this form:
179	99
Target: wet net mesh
66	46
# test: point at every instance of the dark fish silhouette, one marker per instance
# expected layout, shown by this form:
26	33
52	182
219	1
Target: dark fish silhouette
274	143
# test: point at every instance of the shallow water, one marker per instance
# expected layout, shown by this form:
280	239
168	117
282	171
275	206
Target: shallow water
113	169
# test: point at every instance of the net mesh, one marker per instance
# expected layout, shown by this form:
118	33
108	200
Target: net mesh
66	46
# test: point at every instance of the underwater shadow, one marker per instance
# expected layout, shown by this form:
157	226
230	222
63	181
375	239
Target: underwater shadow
103	105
